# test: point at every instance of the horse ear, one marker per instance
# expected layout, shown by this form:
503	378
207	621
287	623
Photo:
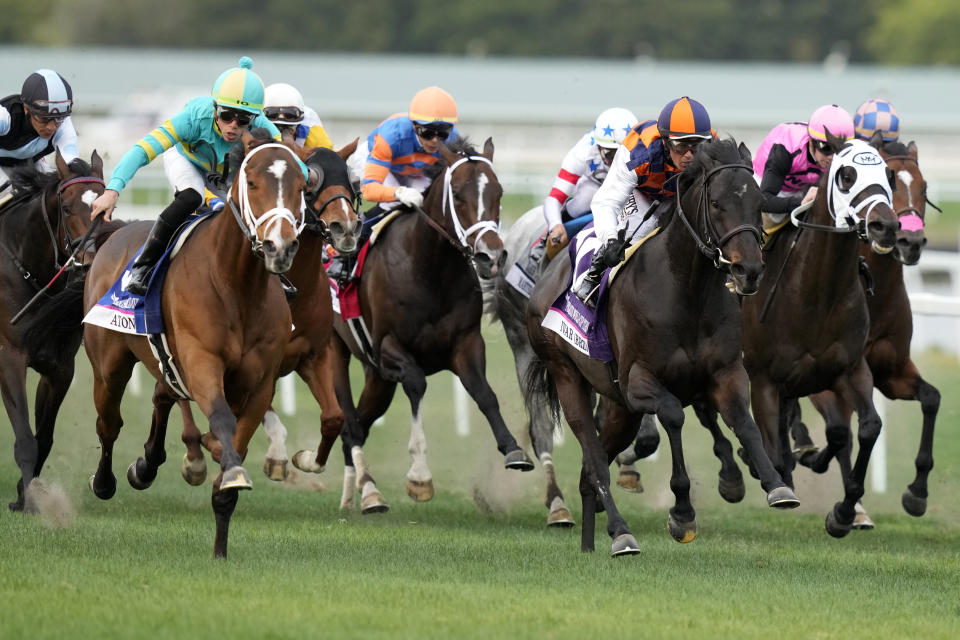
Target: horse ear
62	167
488	149
303	153
912	149
833	141
745	154
96	163
876	140
448	156
247	140
348	150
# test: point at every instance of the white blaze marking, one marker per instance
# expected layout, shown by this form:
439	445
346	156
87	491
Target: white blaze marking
481	185
906	179
742	190
88	197
275	233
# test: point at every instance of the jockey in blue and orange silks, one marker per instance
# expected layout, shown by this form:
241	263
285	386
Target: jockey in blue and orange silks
643	171
793	156
193	143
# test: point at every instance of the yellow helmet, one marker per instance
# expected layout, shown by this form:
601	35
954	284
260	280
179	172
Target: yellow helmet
433	105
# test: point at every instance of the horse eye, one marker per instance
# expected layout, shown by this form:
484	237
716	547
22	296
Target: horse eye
714	204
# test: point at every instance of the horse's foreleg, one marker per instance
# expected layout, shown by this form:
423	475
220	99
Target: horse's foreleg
51	390
340	365
194	469
729	394
469	363
765	400
143	471
836	414
13	369
224	502
911	386
858	390
730	483
319	376
106	398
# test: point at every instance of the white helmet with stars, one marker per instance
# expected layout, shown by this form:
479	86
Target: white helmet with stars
612	127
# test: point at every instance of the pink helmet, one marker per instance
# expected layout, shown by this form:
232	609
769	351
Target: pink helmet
831	117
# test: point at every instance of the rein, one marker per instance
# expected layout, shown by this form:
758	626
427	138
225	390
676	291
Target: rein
712	250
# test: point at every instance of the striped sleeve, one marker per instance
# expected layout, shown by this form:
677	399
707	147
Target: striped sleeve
145	151
376	171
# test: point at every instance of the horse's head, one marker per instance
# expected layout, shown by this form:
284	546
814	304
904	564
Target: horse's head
268	192
859	188
470	194
79	185
335	201
909	197
718	184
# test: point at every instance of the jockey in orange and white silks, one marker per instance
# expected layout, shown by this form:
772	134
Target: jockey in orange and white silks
643	170
36	122
793	156
583	170
405	144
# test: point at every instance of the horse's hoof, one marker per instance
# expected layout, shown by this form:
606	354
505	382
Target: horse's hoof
194	471
134	479
560	517
624	545
420	491
833	525
235	478
682	532
913	504
861	520
16	507
630	481
276	470
373	502
782	498
731	489
518	461
307	461
103	493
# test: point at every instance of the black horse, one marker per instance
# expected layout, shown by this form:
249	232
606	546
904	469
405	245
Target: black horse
675	335
39	233
421	304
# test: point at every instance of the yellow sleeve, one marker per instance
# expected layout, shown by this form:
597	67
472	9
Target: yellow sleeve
318	138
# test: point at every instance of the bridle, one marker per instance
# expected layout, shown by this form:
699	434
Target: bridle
249	222
713	249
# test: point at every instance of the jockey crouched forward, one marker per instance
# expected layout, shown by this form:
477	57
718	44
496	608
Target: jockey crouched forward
194	143
642	172
566	208
398	152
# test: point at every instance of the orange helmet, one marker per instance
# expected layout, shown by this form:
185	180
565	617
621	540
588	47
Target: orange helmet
433	105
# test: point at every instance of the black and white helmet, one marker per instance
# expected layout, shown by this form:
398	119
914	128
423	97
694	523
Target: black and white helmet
46	94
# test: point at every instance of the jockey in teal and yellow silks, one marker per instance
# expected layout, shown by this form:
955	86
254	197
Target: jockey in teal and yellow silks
193	143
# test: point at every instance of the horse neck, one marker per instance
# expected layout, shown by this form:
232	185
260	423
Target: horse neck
826	260
309	263
25	232
687	263
887	272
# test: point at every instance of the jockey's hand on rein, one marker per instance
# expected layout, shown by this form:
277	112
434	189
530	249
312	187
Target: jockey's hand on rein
409	197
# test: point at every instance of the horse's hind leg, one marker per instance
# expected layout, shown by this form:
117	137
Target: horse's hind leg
194	468
142	471
730	483
469	363
13	367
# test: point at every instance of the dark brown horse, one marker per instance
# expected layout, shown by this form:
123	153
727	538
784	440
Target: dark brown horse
421	303
891	328
675	334
39	231
807	331
333	219
226	321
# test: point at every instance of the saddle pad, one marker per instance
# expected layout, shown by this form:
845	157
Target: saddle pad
120	310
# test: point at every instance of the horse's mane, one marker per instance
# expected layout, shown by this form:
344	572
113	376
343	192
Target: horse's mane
895	148
461	146
29	179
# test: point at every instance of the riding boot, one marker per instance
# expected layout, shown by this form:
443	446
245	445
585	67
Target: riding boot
532	265
610	255
184	203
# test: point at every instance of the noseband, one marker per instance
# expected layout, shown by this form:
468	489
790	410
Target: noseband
708	247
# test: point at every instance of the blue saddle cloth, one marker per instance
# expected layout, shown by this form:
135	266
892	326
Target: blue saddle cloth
126	312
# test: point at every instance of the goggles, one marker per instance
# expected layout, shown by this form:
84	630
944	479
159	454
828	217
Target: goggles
823	147
684	145
243	118
40	111
429	133
286	114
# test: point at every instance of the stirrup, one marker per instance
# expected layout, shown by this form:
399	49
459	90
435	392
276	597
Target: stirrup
586	289
139	280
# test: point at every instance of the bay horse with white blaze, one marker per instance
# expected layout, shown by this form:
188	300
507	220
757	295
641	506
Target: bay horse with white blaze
226	320
421	304
807	332
39	234
675	334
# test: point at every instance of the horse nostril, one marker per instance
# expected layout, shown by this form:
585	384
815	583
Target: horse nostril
336	228
269	246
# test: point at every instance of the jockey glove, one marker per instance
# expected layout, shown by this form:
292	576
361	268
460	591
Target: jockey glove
613	252
409	197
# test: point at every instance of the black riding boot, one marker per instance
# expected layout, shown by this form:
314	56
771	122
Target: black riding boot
532	265
609	256
184	203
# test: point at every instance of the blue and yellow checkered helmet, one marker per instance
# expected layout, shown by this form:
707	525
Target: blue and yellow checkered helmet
239	88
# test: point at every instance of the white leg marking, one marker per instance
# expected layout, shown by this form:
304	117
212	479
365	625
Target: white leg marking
277	434
419	472
349	488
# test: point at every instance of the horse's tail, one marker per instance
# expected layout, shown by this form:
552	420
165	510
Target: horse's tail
539	391
52	330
